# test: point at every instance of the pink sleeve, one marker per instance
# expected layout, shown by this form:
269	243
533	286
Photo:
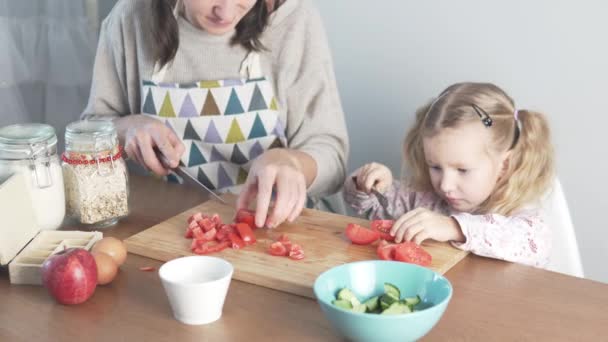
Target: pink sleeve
523	238
400	201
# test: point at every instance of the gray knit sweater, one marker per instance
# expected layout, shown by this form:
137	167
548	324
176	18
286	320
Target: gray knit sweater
298	63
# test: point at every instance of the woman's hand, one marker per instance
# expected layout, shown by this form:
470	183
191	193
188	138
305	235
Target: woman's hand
288	172
141	135
373	175
421	224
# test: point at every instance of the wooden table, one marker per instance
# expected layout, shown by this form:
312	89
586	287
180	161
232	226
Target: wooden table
492	300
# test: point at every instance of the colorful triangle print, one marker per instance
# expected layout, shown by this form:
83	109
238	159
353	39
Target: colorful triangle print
234	105
212	136
166	110
235	134
257	100
237	156
190	133
279	130
210	106
255	150
273	104
202	177
223	180
216	155
196	157
188	110
149	107
209	84
276	144
242	177
257	130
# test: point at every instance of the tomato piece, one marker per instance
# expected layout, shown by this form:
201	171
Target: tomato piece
236	241
386	251
383	227
222	233
285	241
246	216
206	224
245	233
360	235
297	254
210	234
195	217
212	247
278	249
147	268
412	253
197	233
191	226
216	219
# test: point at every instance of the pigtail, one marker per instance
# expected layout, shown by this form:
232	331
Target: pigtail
530	169
165	31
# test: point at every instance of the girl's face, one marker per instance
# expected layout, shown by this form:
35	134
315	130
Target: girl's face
462	167
216	16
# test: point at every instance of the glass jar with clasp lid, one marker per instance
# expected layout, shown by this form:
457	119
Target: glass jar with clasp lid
31	149
95	174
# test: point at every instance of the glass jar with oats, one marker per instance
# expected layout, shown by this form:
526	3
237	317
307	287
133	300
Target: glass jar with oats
95	174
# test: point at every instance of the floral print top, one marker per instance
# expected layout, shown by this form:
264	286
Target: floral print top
523	238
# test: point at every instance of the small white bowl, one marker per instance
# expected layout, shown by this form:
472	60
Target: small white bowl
196	287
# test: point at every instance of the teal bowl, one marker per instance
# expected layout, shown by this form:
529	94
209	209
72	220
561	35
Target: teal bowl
366	279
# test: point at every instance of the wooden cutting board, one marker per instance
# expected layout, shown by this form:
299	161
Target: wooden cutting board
320	234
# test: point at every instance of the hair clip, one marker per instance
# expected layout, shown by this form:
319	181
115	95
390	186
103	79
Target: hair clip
485	118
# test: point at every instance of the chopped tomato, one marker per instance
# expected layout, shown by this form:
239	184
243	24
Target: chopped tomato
197	233
383	227
278	249
212	247
236	241
285	241
296	254
216	219
195	217
206	224
222	233
386	251
246	216
191	226
360	235
210	234
246	233
412	253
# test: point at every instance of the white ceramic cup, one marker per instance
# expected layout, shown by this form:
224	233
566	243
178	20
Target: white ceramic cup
196	287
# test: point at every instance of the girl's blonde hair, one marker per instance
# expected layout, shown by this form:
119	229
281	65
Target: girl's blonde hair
530	169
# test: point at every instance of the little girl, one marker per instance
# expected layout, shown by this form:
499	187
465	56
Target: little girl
476	170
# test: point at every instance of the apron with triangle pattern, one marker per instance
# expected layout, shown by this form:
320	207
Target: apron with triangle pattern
224	124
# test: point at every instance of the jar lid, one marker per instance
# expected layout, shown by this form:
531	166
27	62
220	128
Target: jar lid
90	135
26	140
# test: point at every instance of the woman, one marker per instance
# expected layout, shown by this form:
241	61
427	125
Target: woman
242	93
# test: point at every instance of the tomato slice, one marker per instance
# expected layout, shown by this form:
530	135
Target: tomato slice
278	249
246	216
383	227
360	235
236	241
386	251
412	253
246	233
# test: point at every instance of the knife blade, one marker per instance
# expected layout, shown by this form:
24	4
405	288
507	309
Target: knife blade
383	202
182	172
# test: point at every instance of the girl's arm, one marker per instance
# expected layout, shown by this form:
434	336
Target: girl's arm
399	200
523	238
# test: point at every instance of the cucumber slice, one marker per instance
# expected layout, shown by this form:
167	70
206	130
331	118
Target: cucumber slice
397	308
386	300
372	303
347	294
361	308
412	301
343	304
392	291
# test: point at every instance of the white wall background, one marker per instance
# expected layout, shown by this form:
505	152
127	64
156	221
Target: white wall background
393	55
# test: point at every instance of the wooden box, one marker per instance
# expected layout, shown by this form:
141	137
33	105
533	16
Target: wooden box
22	246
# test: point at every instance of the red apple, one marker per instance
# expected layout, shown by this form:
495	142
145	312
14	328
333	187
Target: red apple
70	275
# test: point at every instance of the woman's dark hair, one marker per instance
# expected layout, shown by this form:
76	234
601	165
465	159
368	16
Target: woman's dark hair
165	29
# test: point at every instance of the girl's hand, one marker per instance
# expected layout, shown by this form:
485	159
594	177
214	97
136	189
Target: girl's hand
280	170
141	135
421	224
373	175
